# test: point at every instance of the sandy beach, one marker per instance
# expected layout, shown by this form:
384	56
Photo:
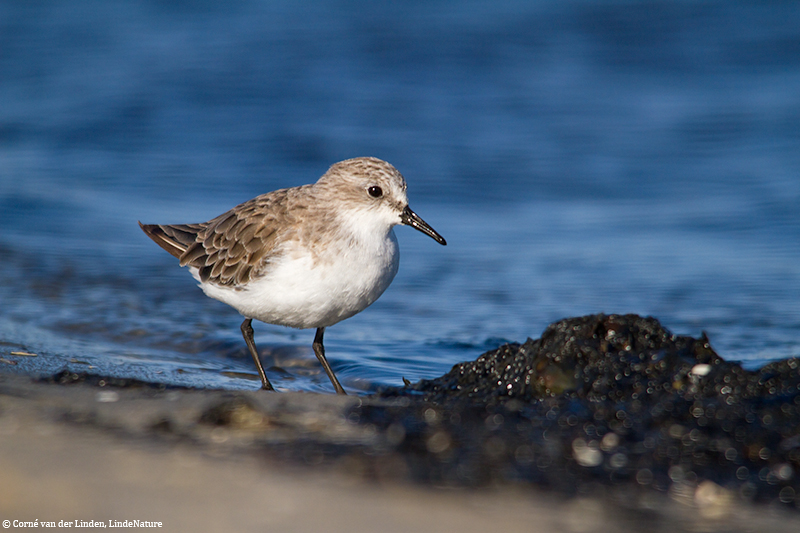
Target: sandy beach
88	453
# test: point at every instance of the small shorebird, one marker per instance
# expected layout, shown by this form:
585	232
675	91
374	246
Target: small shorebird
305	257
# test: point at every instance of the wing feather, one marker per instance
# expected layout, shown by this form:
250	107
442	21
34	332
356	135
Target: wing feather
232	248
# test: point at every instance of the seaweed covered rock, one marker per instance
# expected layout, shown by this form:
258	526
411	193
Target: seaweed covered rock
606	357
605	399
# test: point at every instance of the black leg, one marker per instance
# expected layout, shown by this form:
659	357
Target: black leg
319	350
247	333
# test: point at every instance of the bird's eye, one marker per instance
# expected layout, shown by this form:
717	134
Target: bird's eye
375	191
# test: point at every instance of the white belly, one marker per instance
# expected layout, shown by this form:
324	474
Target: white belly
303	291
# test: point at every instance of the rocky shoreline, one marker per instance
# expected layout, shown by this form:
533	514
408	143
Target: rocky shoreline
613	411
615	399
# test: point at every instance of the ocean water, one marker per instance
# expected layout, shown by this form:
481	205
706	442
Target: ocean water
579	157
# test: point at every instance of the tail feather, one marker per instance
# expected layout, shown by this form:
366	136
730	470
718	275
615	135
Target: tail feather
174	238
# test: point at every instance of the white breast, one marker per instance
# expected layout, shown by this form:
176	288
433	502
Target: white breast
302	289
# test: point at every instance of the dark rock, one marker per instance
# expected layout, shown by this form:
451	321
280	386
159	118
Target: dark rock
598	357
604	399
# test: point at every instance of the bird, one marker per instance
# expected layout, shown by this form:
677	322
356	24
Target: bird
303	257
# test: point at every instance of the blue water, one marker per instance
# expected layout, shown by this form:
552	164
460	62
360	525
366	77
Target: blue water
578	156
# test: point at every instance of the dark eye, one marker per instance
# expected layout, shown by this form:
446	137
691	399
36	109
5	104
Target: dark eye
375	191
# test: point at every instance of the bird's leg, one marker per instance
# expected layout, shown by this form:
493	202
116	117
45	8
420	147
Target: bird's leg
247	333
319	350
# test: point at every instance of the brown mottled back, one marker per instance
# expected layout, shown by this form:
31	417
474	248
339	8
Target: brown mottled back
231	248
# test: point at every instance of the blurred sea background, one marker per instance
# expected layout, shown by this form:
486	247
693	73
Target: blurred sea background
579	157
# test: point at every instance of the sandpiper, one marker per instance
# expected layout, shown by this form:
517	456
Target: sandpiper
304	257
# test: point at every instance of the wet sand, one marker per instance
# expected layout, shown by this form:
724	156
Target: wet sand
89	452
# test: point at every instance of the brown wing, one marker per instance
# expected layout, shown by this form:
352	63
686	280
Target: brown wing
232	248
173	238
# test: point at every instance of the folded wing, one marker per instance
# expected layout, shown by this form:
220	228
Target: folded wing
228	250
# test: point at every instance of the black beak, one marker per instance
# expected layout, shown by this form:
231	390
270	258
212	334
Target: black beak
410	218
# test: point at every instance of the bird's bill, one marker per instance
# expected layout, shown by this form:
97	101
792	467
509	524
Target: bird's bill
410	218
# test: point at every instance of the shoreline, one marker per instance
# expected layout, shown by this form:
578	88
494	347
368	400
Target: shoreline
84	452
